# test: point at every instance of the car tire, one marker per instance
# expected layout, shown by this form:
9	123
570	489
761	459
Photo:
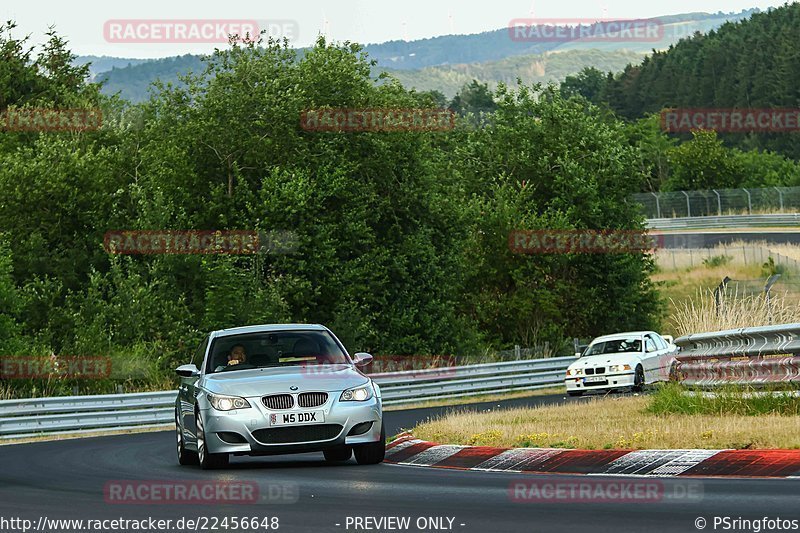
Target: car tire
574	393
638	379
185	457
373	452
339	454
208	461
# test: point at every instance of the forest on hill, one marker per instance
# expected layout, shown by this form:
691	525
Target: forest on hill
749	64
447	62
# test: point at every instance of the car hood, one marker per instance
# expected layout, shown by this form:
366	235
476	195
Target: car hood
593	361
261	381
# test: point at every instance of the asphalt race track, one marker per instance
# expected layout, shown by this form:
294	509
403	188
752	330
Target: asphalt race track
66	479
712	238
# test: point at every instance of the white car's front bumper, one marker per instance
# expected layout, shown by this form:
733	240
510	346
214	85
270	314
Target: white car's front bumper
610	381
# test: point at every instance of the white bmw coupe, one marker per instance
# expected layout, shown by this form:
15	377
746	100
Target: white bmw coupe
620	361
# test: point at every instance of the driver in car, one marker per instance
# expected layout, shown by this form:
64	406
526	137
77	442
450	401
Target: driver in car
237	355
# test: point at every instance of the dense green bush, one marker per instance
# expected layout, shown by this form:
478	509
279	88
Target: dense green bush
402	238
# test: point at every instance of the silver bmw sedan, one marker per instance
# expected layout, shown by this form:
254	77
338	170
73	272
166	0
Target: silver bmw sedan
277	389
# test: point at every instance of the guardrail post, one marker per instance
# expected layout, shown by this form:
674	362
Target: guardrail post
749	202
768	293
688	206
658	205
718	294
719	202
780	196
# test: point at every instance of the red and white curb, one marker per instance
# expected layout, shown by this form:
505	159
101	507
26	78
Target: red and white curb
407	450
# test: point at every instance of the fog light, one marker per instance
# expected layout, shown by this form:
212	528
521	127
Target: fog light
360	429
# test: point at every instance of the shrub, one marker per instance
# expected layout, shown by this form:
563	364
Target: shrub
717	261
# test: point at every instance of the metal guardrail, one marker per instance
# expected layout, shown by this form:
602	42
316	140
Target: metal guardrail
81	414
749	356
741	356
725	221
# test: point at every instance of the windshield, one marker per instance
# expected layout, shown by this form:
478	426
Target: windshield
633	344
274	349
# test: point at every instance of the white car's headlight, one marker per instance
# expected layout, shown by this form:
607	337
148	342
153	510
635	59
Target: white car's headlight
227	403
575	372
619	368
360	394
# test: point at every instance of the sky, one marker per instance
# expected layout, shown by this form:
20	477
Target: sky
82	22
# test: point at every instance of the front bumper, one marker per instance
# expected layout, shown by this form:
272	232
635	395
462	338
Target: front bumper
611	381
250	425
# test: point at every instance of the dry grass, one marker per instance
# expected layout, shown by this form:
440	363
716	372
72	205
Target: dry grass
708	276
680	286
700	313
688	290
743	258
792	251
608	423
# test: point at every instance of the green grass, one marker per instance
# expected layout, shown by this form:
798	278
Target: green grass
673	398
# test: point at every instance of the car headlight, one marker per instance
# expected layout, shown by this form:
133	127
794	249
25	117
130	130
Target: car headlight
575	372
360	394
619	368
227	403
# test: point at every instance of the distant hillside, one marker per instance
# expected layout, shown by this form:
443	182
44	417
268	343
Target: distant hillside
496	45
133	82
446	63
543	68
105	63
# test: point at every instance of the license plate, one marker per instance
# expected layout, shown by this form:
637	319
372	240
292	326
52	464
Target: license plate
296	419
594	379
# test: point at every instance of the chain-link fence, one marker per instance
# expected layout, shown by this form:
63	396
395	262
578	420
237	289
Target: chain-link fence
719	202
734	254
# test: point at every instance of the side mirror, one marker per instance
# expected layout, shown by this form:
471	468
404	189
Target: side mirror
669	338
187	371
362	359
